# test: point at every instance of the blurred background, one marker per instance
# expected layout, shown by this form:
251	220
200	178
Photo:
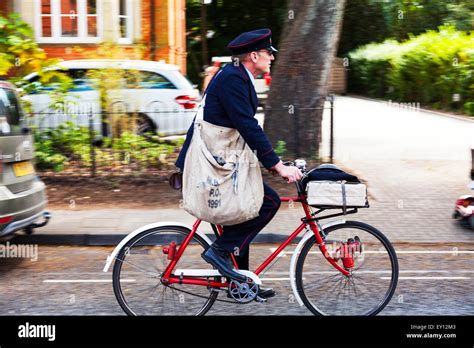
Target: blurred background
414	52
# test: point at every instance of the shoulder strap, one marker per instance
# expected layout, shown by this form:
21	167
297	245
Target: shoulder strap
200	111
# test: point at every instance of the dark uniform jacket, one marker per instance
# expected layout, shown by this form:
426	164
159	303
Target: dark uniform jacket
231	101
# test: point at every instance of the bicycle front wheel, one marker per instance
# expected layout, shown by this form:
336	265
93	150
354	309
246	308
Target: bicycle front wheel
326	291
140	264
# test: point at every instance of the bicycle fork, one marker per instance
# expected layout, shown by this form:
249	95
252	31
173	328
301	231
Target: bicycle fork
348	262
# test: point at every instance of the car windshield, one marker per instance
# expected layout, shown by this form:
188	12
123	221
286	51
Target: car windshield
11	113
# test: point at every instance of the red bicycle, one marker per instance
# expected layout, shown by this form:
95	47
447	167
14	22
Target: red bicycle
340	268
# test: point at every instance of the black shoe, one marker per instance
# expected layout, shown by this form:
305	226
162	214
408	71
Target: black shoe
266	292
262	293
220	259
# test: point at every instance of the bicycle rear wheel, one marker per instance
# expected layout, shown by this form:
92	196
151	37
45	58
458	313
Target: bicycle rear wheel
326	291
140	264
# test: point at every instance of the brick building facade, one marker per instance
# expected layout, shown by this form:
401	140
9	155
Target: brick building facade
61	25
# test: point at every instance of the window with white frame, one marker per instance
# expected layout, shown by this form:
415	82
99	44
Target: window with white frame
68	21
125	21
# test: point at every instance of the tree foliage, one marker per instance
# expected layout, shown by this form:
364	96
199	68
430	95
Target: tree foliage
19	52
429	68
367	21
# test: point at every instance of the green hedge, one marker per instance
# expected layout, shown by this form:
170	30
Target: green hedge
428	69
69	147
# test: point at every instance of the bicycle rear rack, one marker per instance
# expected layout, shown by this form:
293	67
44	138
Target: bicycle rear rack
306	220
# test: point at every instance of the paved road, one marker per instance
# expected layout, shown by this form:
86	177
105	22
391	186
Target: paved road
69	281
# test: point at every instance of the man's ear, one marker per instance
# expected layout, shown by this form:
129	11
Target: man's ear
254	56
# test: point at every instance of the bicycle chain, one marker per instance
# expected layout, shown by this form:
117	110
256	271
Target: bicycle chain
187	292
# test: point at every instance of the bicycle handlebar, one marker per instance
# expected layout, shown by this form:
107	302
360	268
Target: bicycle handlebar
298	163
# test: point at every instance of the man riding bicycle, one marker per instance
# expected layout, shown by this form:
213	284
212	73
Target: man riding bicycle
231	101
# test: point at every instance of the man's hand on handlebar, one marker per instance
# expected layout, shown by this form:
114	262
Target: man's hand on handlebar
289	173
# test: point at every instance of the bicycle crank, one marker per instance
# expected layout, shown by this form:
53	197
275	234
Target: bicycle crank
243	292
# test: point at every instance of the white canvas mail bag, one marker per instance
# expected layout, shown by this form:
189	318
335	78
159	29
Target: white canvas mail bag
222	182
337	194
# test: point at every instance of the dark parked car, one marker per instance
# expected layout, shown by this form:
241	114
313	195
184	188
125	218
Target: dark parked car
22	194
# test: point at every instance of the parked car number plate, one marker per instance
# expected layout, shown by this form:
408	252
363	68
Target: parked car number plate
23	168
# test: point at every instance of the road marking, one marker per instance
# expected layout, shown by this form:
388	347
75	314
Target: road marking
281	254
275	278
69	273
388	278
85	280
397	251
430	278
368	271
430	251
268	279
404	271
382	272
437	271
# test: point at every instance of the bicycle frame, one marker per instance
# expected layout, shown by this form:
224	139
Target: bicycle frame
168	277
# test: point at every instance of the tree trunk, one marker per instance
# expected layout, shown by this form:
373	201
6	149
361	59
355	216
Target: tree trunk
301	77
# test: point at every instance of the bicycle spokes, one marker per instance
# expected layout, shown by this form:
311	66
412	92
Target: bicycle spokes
372	272
145	260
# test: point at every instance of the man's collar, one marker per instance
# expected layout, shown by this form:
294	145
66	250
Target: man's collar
251	76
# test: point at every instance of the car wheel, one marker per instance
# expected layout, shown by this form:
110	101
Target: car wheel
144	125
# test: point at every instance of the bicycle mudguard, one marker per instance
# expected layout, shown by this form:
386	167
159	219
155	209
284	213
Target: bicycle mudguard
296	253
114	253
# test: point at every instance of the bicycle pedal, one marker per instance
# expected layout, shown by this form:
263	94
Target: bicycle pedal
260	300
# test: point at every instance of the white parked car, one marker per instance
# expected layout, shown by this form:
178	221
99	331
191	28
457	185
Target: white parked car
164	100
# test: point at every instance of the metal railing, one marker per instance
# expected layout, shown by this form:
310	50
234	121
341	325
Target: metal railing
109	143
112	143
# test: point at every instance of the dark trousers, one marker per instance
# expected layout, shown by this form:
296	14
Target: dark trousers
236	238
